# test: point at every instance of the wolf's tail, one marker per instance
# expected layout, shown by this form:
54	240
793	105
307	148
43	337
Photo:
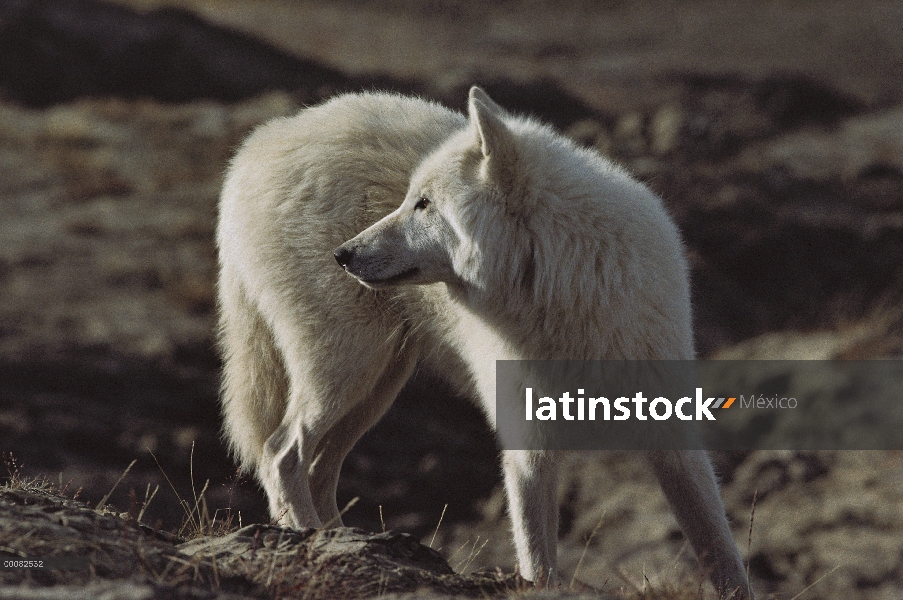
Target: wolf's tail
255	384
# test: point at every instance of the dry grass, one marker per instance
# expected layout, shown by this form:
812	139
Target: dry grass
268	562
198	521
15	480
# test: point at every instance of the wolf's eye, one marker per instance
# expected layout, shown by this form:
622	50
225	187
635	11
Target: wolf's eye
422	203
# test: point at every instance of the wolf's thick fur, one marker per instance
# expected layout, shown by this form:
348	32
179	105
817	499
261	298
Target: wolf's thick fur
521	245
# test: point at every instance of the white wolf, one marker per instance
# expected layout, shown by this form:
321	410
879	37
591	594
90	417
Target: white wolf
521	245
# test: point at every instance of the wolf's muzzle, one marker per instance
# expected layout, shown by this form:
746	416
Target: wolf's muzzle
343	256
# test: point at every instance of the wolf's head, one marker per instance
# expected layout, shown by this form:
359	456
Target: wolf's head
453	212
533	232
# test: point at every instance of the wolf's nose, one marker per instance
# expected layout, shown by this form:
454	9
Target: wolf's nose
343	255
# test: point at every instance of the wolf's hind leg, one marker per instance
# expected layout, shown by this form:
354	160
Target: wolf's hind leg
337	352
283	475
338	441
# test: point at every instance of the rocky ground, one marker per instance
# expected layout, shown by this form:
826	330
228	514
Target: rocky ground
774	132
255	561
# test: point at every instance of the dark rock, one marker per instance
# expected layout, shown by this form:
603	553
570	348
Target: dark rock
57	50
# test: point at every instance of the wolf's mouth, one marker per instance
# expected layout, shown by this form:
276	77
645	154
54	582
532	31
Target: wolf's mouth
394	279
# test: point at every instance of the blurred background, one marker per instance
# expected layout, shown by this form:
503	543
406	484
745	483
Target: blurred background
773	130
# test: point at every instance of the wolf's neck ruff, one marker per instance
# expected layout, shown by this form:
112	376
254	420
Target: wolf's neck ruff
565	256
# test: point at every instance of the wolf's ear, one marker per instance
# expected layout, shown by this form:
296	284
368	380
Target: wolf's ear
477	93
492	133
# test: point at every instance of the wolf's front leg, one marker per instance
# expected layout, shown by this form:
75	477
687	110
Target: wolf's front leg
688	482
531	480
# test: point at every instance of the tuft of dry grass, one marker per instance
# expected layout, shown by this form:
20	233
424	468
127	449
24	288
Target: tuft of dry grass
15	480
198	520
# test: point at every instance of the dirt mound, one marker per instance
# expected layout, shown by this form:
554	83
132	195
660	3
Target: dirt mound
129	559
